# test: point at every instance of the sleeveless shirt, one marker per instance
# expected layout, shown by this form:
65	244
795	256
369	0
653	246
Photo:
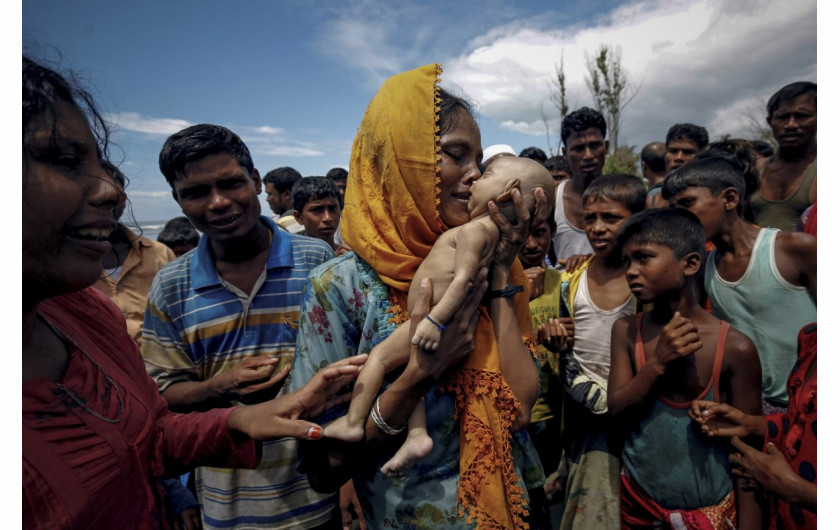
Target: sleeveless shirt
568	240
783	214
667	455
766	308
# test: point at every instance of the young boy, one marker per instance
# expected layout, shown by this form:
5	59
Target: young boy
317	204
453	261
761	280
661	361
596	295
555	333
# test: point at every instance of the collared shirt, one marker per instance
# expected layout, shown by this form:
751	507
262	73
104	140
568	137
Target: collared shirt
195	328
129	286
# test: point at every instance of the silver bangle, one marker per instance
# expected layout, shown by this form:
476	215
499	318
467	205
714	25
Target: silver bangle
376	416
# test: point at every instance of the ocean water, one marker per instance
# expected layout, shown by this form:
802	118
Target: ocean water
149	229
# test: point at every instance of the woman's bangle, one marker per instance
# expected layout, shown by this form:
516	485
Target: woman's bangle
508	291
376	416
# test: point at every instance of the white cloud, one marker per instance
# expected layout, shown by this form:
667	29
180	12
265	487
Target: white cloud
266	129
133	121
150	194
287	150
691	61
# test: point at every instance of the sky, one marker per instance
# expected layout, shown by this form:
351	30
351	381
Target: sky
293	78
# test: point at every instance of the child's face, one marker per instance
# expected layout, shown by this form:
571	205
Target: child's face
320	218
532	253
486	189
707	206
602	219
651	270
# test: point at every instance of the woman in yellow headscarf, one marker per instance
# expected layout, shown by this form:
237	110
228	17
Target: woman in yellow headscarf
414	158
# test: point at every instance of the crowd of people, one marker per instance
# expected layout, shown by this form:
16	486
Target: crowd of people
445	336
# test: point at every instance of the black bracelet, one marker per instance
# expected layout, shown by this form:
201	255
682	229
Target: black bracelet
510	290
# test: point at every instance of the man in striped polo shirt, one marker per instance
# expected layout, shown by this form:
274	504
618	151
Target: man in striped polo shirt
221	324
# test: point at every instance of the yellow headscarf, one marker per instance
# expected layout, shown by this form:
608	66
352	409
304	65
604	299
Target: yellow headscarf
391	221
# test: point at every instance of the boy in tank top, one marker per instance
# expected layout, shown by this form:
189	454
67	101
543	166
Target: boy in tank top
761	280
596	295
662	360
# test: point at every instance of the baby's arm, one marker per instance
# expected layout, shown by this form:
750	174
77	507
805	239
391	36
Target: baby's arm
473	244
386	356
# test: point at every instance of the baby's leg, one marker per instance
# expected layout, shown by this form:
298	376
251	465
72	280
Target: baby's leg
386	356
417	444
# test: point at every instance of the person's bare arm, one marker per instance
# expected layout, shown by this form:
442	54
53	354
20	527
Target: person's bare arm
796	258
518	367
473	245
514	355
741	382
247	377
281	417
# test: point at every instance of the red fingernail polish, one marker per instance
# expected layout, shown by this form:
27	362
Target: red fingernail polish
314	433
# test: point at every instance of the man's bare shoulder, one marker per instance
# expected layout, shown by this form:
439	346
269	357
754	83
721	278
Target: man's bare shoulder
796	244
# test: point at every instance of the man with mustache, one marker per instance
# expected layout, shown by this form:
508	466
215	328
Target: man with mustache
788	182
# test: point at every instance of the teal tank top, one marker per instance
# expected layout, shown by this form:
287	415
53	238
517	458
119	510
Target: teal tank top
667	455
767	309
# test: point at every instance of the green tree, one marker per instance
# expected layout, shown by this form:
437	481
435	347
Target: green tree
557	91
623	159
610	88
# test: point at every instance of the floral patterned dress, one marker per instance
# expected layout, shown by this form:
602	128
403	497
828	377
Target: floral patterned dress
346	311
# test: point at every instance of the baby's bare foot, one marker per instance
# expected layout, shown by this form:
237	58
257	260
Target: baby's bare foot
416	446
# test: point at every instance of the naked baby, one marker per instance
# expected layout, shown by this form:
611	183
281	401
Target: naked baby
453	261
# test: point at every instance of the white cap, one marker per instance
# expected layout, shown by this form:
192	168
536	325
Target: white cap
497	149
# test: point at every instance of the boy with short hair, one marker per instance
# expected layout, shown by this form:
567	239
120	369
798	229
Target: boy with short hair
317	205
661	361
555	333
596	295
761	280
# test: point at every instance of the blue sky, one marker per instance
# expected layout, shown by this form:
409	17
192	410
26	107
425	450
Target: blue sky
293	78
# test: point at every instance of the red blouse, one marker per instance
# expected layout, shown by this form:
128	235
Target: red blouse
95	445
795	433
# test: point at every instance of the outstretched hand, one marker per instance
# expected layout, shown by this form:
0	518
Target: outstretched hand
513	236
720	419
280	417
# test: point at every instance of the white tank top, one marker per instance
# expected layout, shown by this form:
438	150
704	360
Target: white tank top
569	240
593	330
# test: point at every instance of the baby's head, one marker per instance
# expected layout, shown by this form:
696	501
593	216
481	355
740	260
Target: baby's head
503	175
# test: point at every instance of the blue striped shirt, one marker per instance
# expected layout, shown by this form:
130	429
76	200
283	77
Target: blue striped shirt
195	328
